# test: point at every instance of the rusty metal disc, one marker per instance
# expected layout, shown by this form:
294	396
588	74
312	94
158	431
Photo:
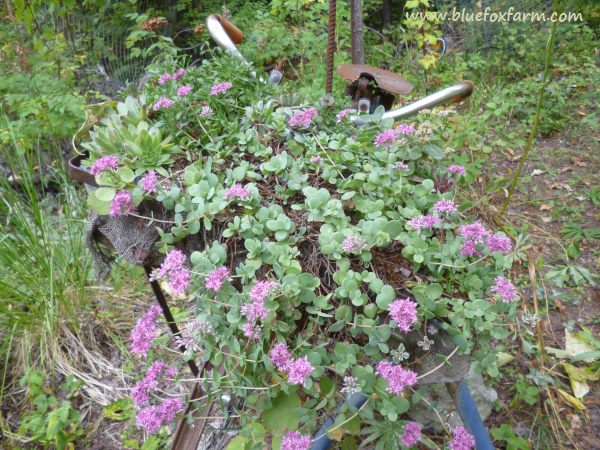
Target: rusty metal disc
386	80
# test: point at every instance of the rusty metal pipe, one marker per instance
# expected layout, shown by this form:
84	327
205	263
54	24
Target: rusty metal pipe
456	92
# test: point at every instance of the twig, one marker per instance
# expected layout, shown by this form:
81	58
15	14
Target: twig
440	365
538	115
539	326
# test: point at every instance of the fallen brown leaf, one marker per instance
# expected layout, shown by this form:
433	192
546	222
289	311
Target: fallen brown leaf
559	306
537	172
566	169
546	219
546	207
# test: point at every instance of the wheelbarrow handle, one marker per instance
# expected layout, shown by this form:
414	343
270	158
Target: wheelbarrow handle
455	93
225	34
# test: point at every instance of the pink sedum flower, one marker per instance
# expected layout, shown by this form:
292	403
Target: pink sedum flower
505	289
354	244
396	376
315	159
412	434
179	74
295	441
184	90
206	111
445	207
163	103
388	137
104	163
280	356
144	332
405	129
216	278
404	313
418	223
343	113
140	393
164	78
499	243
173	268
152	418
459	170
221	87
299	370
261	290
122	204
150	182
400	165
255	311
251	330
473	234
237	191
461	439
303	118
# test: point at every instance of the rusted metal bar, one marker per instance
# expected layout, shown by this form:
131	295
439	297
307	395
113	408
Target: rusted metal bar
330	47
356	31
162	301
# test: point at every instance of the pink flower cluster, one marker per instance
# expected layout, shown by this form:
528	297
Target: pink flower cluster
404	313
184	90
473	234
206	111
499	243
417	223
152	418
396	376
388	137
157	372
505	289
104	163
221	87
144	331
445	207
295	441
343	113
354	244
173	268
171	76
122	204
315	159
412	434
163	103
215	279
256	309
237	190
405	129
149	182
400	165
298	369
303	118
459	170
461	439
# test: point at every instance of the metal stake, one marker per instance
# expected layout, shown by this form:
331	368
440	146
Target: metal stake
160	297
356	30
330	47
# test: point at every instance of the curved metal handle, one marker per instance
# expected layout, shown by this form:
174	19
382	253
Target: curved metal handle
225	34
456	93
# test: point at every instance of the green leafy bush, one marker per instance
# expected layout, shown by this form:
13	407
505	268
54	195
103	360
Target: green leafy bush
314	230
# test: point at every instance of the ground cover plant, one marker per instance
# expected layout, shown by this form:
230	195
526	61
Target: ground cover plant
301	198
300	213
